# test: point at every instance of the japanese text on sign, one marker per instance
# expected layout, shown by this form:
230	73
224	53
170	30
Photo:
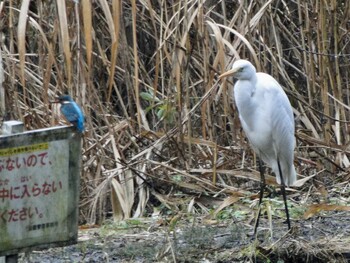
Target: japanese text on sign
29	174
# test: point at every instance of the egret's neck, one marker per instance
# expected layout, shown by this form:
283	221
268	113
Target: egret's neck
244	91
248	85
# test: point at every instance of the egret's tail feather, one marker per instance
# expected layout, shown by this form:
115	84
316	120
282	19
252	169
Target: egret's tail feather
289	174
292	176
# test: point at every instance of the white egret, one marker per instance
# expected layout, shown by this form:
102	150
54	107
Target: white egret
267	119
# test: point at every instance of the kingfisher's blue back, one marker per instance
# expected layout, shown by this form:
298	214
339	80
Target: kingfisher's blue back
72	112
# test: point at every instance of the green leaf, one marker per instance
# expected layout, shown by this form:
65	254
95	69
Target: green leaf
149	96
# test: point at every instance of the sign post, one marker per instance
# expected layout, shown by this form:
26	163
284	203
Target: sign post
39	189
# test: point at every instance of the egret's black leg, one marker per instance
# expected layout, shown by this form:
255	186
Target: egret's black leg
283	189
262	188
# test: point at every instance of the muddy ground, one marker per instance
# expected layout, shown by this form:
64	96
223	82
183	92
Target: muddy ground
323	238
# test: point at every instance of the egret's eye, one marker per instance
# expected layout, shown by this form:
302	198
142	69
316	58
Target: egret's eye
241	69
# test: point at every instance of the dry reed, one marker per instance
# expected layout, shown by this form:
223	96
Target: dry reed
145	73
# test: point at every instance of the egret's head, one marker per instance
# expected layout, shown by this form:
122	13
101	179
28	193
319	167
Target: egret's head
241	69
63	99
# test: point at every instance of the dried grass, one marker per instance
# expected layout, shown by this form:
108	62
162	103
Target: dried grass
146	72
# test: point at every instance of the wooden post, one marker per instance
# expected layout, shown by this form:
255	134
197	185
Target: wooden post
11	258
11	127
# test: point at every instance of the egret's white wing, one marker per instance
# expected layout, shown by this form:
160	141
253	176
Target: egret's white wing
267	119
282	128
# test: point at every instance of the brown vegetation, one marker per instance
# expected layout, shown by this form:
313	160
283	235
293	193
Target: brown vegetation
159	123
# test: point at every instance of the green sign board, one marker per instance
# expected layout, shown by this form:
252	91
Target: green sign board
39	189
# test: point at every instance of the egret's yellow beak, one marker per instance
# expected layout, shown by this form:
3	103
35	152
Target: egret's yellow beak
231	72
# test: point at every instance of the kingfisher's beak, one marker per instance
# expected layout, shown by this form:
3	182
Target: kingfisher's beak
56	100
229	73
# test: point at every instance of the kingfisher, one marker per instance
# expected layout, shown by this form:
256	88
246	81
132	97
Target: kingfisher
71	111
